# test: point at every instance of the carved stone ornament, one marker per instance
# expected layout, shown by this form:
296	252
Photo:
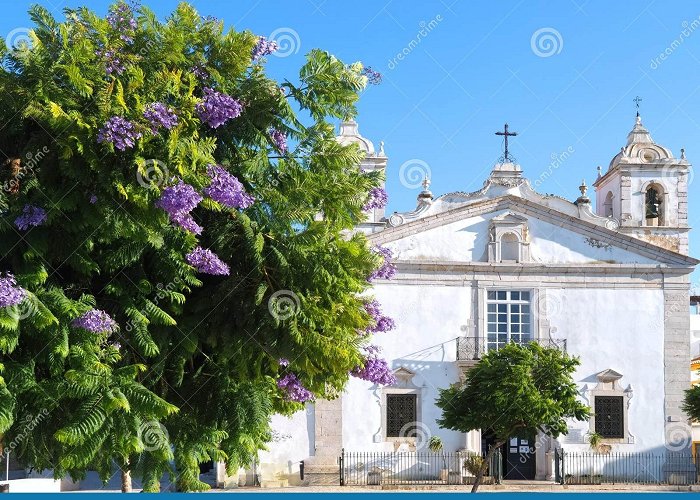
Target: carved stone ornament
395	220
507	181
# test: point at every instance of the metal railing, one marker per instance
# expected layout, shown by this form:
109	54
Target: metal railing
640	468
412	468
473	348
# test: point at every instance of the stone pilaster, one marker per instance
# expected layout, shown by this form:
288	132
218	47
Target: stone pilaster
676	365
626	200
323	468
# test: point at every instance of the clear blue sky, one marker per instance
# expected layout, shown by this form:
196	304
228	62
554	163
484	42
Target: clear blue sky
477	68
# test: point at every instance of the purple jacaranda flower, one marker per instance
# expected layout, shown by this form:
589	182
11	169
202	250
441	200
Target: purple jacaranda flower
381	323
95	321
113	64
279	139
179	200
121	20
217	108
387	269
31	216
374	369
293	389
207	262
263	47
373	77
120	132
377	198
226	189
10	293
160	115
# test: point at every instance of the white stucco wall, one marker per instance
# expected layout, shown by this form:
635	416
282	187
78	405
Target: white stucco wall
621	329
428	320
612	184
293	441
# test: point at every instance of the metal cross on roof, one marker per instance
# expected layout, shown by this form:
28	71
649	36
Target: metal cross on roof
506	134
637	100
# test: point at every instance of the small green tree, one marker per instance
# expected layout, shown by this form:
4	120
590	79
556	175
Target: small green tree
518	389
691	402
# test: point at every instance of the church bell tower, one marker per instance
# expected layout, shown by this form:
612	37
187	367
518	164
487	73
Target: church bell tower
373	161
646	190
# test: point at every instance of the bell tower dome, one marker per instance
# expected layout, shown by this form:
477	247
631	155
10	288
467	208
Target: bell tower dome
646	189
373	161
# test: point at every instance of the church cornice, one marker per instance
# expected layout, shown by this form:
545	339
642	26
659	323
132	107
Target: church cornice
535	268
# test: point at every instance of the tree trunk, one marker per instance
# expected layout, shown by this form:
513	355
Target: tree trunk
126	477
485	465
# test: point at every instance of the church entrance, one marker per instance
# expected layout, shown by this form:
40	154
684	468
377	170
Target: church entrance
517	456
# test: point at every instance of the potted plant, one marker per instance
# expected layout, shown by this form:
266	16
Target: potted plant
595	441
472	464
435	445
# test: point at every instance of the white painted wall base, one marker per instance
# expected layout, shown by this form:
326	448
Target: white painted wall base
34	485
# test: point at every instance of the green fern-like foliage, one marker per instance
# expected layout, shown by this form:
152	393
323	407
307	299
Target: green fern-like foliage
190	375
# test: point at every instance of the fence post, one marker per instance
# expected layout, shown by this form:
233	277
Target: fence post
497	462
341	462
562	472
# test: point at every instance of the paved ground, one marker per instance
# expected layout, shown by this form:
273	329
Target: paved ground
503	488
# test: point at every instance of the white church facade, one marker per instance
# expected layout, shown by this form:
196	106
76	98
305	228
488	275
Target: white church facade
606	280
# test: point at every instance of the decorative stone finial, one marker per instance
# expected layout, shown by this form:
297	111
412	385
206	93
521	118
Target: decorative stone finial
584	189
425	195
682	153
599	172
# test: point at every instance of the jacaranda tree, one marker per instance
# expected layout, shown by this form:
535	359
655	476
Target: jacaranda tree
176	244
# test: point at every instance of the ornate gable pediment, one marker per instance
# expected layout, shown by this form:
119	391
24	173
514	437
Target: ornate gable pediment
609	375
404	378
594	235
509	218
